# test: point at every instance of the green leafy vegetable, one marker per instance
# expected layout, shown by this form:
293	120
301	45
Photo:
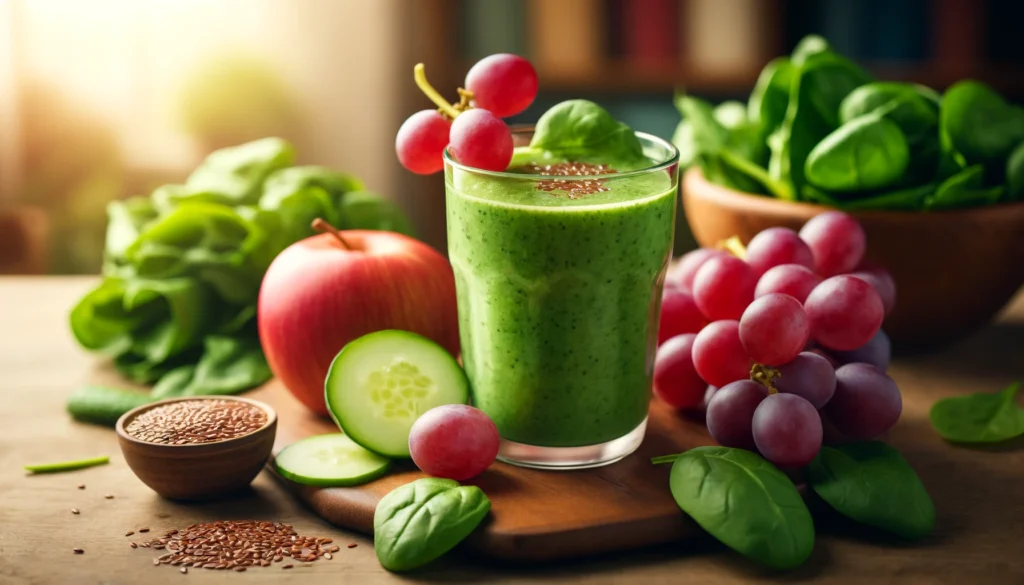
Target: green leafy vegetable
979	418
420	521
183	268
980	125
964	189
869	152
745	502
870	482
580	129
103	406
818	128
67	465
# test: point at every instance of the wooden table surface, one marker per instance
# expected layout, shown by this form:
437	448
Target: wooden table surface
979	494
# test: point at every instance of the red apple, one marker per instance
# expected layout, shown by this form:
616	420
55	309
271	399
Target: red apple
319	295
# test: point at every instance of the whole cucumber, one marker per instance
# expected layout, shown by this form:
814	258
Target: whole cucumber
103	405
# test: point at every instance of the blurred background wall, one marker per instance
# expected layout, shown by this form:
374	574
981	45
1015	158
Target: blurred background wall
103	99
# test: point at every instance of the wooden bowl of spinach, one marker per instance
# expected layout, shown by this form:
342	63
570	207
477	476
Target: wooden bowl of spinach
937	180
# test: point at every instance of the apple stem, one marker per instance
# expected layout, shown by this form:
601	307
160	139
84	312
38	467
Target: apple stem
323	227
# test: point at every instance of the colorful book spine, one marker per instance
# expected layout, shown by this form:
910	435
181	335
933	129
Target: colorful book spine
724	37
650	32
566	37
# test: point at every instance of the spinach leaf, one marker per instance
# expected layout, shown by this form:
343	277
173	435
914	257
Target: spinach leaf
866	153
1015	173
580	129
978	123
745	502
229	365
870	482
284	182
767	105
420	521
820	84
979	418
914	108
125	221
909	199
683	140
808	46
237	173
964	189
732	115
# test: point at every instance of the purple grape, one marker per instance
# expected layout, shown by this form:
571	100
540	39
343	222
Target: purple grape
866	402
731	411
876	352
810	376
787	430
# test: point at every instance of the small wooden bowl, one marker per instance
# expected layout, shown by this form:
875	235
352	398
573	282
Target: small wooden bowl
198	471
954	270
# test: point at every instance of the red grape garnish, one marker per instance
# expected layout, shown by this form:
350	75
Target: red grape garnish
479	139
675	379
421	141
789	279
723	287
503	84
845	312
679	315
837	241
776	246
774	329
718	354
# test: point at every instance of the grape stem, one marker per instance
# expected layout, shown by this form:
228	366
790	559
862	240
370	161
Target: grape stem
765	375
734	246
321	226
67	465
420	75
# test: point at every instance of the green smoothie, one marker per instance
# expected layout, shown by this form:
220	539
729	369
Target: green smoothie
558	297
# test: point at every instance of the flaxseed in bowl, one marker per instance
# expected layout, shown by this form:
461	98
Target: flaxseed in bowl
197	447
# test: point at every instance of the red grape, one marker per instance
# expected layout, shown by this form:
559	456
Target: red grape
789	279
883	282
679	314
479	139
686	269
845	312
421	141
774	329
730	413
787	430
777	246
808	375
866	402
503	84
718	354
723	287
675	379
836	240
455	441
876	352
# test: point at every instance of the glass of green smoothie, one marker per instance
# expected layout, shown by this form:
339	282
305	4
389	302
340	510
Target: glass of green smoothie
559	264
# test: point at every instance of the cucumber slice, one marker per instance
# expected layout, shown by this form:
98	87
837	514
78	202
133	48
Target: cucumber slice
379	384
329	461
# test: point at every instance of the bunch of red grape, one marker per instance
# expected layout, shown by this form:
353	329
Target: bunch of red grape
497	87
782	341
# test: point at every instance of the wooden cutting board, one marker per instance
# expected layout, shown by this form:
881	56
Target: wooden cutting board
534	514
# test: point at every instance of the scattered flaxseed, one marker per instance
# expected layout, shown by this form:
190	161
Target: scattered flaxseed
334	549
133	545
143	529
75	511
235	545
197	421
328	556
574	188
129	533
288	566
353	545
183	570
77	551
239	569
81	486
109	496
